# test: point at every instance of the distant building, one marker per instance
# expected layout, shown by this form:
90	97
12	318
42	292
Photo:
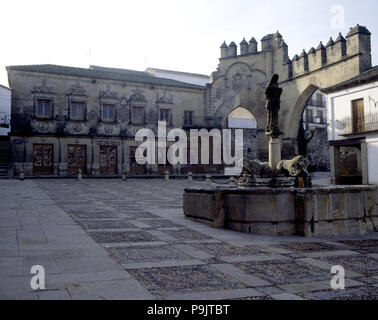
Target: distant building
315	125
193	78
353	130
65	119
5	106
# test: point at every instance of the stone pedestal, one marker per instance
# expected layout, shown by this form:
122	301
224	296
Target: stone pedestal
274	153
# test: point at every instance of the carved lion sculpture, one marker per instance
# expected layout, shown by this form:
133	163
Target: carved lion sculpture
256	168
294	167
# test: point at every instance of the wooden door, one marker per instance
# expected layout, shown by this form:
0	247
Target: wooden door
43	159
76	158
358	116
108	160
135	168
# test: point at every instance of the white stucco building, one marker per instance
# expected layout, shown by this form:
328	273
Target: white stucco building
353	130
5	103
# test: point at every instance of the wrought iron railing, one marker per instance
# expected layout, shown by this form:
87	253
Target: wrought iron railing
352	126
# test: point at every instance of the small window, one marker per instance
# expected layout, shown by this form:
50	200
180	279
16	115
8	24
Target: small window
108	112
310	115
77	110
188	118
44	108
164	115
137	115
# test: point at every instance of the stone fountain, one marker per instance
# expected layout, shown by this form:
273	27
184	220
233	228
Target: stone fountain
277	197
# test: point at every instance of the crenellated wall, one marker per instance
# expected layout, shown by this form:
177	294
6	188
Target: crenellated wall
241	78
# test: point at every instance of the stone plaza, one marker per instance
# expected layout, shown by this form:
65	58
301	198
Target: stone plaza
114	239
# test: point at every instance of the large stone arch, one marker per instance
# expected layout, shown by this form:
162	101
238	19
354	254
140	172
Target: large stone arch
296	112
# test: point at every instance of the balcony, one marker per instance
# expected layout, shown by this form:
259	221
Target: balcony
355	126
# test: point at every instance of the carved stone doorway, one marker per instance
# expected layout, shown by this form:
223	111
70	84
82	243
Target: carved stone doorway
135	168
43	159
76	158
108	160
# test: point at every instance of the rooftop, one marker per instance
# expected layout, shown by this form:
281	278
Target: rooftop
96	72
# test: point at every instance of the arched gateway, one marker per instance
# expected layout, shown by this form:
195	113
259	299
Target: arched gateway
240	79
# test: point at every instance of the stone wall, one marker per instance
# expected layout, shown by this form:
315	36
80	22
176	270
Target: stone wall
326	211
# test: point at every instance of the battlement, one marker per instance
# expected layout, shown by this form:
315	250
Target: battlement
269	42
356	42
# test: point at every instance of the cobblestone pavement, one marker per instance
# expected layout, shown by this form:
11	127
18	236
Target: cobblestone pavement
109	239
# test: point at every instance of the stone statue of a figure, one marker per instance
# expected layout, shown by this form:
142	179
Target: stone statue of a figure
273	94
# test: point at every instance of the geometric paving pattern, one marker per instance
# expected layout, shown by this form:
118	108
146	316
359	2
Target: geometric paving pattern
119	236
309	246
362	264
187	234
355	293
146	254
107	224
222	249
280	272
184	279
168	258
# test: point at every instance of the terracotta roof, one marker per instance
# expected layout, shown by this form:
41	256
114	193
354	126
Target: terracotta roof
133	76
365	77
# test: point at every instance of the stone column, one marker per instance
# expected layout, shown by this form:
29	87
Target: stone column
274	153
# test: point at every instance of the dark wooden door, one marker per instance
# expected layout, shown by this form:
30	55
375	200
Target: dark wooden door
108	160
76	158
43	158
358	115
135	168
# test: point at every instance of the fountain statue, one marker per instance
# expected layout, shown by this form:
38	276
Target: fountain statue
277	197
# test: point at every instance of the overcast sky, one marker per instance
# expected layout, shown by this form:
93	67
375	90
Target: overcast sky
182	35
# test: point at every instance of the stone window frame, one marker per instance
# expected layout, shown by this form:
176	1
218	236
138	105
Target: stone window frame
143	120
77	100
108	104
168	113
38	98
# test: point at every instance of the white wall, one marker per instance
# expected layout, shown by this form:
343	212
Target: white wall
372	155
5	103
339	106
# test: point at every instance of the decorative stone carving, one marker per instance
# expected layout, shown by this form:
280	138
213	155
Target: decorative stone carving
297	168
43	126
137	95
164	98
92	115
123	101
44	88
152	116
123	114
108	94
108	129
77	127
77	90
